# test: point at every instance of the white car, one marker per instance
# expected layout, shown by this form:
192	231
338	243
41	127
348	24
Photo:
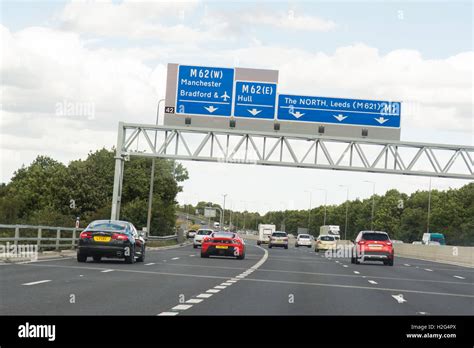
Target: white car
304	240
200	234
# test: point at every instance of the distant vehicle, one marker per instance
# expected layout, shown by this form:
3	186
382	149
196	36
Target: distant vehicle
191	233
373	246
433	237
200	234
279	239
417	243
304	240
223	244
433	243
217	225
325	242
111	238
331	230
264	233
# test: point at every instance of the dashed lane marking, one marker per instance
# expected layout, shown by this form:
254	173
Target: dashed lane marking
199	298
107	270
194	300
372	282
37	282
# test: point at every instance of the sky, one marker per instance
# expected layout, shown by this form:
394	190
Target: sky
71	70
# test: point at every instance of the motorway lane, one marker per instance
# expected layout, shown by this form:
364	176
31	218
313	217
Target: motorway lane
146	288
296	281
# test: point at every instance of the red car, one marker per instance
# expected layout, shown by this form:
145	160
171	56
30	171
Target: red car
223	244
373	246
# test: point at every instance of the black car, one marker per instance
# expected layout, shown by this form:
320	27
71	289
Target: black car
111	238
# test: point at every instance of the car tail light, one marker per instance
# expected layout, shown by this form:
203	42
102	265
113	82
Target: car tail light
286	238
86	235
119	236
236	241
389	243
361	242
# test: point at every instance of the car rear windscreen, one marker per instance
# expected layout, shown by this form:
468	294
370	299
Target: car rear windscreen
107	226
223	235
204	232
375	236
327	238
279	234
304	236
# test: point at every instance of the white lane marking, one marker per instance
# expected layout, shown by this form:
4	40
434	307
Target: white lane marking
107	270
240	276
45	260
214	291
372	282
429	270
232	281
456	276
38	282
194	300
399	298
337	261
220	287
149	264
175	258
422	313
345	266
406	264
181	307
204	295
168	313
356	272
192	255
226	283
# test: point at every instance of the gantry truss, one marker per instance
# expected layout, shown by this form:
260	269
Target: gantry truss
289	150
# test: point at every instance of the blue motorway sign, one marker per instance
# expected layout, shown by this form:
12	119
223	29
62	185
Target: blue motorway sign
255	99
204	90
339	111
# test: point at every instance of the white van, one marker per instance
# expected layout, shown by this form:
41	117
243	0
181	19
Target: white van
264	233
330	230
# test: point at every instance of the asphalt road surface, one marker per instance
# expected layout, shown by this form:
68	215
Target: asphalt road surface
297	281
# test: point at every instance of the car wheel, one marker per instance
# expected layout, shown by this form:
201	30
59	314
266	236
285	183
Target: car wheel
130	258
352	260
356	260
258	242
241	257
390	262
296	245
142	256
81	257
286	246
195	246
97	258
269	246
204	255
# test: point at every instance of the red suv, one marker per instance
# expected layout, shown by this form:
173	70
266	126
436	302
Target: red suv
373	246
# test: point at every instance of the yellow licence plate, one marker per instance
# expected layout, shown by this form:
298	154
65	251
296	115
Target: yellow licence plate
221	246
101	239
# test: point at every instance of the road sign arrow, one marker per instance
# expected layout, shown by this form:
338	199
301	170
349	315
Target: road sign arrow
211	108
399	298
254	112
297	114
381	120
340	117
